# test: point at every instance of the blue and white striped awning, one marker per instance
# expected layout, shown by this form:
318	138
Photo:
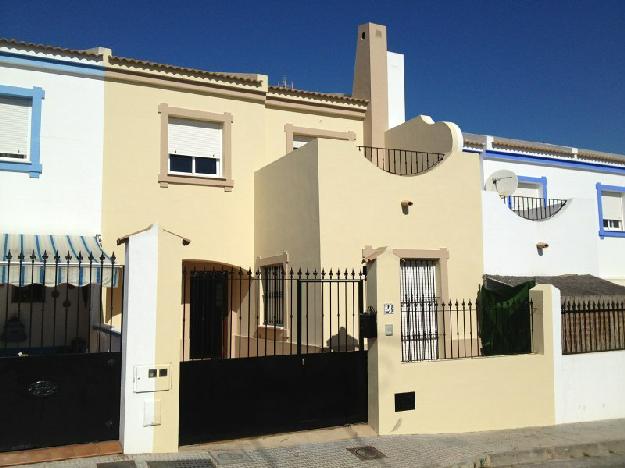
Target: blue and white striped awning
55	259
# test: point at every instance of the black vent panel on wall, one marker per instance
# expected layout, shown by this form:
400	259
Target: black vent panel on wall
404	401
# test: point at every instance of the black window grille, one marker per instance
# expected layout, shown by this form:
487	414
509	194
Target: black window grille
273	288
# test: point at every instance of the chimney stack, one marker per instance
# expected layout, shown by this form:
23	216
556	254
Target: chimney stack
371	81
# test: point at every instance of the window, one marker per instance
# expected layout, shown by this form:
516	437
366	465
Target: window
418	289
15	127
612	206
529	189
301	140
194	147
30	293
273	294
20	124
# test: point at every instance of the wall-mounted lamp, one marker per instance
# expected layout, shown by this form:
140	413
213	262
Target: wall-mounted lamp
540	246
404	206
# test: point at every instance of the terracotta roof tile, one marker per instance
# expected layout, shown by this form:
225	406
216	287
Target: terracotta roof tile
45	48
316	94
238	77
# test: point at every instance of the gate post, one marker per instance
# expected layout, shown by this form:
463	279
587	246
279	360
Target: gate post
384	353
151	342
299	315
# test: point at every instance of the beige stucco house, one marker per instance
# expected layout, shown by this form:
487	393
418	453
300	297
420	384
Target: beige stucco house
320	205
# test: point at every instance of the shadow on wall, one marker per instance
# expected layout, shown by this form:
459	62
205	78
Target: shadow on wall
342	341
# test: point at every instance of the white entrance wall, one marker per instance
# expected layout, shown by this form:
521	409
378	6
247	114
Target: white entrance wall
590	387
572	235
66	198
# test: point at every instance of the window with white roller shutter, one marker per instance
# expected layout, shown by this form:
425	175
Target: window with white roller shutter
612	207
15	115
301	140
195	147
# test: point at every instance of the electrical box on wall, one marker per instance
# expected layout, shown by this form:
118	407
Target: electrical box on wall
154	378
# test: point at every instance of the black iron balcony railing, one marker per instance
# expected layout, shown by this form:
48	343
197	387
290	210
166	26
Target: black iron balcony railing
534	208
401	162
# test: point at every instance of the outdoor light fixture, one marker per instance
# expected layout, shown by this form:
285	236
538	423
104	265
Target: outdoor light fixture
404	206
542	245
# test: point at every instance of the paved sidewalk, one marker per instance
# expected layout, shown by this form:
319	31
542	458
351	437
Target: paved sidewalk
330	448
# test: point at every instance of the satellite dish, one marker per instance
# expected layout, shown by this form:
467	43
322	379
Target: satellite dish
503	182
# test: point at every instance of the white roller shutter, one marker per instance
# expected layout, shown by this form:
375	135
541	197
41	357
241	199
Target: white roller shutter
301	140
528	190
194	138
14	126
612	204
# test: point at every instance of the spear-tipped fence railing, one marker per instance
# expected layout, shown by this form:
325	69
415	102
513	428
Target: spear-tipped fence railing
400	161
236	313
593	325
535	208
60	303
431	329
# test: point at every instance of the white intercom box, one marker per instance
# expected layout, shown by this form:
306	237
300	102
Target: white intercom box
154	378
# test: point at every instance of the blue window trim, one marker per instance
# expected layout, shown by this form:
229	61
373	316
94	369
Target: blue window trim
607	188
545	161
542	181
36	95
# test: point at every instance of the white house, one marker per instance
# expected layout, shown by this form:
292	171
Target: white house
51	139
565	217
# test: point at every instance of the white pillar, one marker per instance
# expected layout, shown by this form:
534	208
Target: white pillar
151	342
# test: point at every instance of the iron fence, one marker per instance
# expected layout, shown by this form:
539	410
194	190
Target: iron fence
234	313
402	162
55	303
431	329
535	208
592	326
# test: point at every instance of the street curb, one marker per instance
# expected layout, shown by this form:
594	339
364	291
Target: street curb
543	454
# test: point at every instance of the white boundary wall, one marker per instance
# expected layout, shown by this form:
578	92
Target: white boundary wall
590	386
66	198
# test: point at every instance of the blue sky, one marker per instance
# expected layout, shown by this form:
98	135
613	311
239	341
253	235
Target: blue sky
543	70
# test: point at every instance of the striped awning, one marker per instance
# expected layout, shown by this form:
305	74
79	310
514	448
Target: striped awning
55	259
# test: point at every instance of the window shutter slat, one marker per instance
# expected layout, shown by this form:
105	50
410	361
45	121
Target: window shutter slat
194	138
15	125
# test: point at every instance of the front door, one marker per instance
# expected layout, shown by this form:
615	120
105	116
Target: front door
209	312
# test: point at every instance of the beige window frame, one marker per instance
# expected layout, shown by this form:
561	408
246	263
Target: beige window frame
441	256
275	261
291	131
225	120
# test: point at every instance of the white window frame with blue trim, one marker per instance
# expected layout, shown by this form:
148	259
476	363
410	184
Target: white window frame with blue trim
32	165
601	189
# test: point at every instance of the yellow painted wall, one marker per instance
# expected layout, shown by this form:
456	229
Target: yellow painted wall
360	205
456	395
220	224
287	208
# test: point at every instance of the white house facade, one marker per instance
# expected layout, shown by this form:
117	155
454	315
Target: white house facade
51	140
579	193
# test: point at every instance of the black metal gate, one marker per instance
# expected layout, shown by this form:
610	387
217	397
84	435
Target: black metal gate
291	353
60	349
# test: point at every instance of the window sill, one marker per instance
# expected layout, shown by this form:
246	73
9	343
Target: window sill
603	234
33	169
165	180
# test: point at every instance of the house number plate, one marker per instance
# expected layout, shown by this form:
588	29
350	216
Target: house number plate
42	388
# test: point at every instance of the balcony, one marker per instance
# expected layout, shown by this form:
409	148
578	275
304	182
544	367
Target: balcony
534	208
400	161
